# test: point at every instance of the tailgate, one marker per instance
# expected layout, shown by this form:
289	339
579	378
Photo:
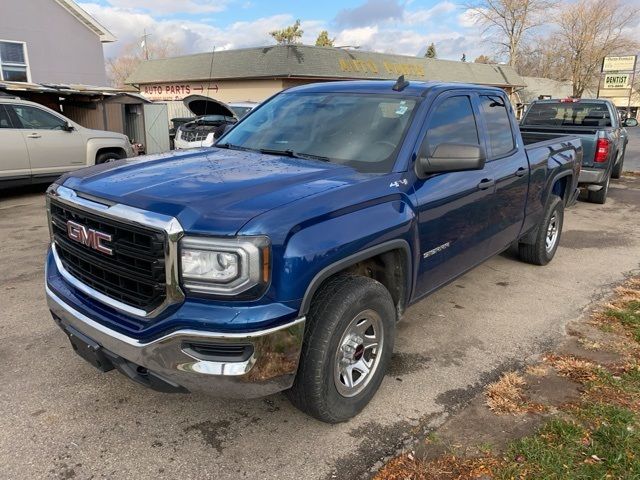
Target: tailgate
588	138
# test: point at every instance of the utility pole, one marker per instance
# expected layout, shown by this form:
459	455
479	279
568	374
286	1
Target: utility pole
143	45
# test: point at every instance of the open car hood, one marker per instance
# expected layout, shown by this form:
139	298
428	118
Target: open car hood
201	105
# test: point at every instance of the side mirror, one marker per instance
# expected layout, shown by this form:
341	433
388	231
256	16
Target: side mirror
451	157
630	122
68	127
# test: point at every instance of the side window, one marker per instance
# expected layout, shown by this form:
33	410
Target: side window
5	121
34	118
452	122
498	125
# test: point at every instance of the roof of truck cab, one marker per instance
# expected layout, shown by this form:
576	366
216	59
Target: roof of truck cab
415	88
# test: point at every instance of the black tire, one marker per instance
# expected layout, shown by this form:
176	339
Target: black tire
107	157
334	309
538	253
617	168
600	196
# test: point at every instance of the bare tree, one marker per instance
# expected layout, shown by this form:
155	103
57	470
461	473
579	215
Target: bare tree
590	30
121	67
508	21
288	35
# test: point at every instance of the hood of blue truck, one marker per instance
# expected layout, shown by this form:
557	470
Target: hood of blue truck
210	191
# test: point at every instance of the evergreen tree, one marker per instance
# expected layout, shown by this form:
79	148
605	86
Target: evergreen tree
289	35
324	40
431	51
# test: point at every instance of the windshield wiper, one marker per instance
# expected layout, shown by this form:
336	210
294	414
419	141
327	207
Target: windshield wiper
231	146
291	153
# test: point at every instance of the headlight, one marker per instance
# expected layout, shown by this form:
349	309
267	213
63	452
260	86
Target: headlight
222	266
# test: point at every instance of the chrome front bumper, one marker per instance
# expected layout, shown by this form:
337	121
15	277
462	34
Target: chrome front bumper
270	368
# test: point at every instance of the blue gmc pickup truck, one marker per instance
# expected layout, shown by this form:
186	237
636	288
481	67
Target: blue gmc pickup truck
282	258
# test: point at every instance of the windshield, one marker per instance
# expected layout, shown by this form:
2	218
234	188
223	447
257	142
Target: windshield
576	114
240	111
363	131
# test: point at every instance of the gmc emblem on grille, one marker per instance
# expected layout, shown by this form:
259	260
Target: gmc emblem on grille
89	237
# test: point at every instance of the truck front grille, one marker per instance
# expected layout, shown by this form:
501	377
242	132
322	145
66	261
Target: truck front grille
193	136
134	274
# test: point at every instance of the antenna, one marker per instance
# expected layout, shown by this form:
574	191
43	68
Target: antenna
209	81
400	84
144	45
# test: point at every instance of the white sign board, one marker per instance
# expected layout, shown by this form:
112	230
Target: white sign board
177	91
617	80
619	64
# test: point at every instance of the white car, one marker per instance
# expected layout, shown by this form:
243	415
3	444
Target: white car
37	144
211	121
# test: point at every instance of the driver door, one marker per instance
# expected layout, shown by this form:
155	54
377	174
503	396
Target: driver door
52	149
453	207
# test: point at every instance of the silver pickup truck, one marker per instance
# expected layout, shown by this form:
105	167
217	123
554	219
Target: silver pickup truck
596	123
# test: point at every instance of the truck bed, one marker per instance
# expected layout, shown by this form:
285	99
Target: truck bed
532	136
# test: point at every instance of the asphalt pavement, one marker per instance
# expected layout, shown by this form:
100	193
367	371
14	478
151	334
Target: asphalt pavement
61	418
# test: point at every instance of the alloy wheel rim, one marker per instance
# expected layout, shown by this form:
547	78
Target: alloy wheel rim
358	354
552	233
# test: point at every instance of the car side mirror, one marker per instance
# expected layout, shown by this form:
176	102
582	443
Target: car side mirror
451	157
630	122
68	127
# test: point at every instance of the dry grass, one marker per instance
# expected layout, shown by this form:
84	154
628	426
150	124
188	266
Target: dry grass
507	394
448	467
574	368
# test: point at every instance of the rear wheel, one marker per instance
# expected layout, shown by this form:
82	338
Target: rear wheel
548	236
348	343
600	196
107	157
617	169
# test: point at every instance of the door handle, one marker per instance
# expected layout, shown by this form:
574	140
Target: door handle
34	135
486	183
521	172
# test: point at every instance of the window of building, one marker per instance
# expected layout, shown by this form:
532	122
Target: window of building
14	66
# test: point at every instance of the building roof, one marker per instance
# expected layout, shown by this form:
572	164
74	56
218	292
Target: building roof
87	20
540	86
304	61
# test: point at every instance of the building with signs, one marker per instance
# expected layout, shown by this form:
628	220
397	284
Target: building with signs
617	81
254	74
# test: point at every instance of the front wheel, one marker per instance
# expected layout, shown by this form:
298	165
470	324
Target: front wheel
548	236
348	344
107	157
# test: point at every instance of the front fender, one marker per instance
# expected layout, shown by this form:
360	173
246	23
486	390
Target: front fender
317	251
96	143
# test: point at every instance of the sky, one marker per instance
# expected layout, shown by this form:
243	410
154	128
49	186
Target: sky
393	26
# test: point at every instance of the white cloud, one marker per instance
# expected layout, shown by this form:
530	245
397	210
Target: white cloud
424	15
163	7
410	36
189	36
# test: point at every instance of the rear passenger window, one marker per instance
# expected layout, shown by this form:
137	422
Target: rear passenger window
452	122
5	121
498	125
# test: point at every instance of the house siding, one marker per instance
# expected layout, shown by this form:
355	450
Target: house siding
59	47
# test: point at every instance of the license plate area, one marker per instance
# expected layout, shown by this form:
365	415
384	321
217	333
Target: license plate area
88	349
